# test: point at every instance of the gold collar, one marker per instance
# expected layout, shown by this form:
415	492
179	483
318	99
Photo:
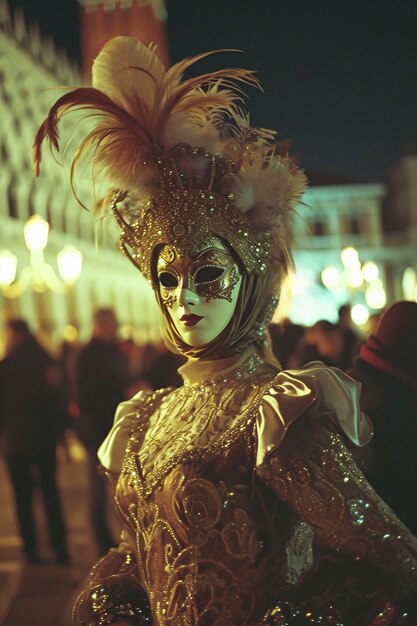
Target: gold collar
197	371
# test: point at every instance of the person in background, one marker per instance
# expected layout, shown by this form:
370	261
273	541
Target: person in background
32	419
387	369
351	340
321	342
284	337
67	360
102	381
162	367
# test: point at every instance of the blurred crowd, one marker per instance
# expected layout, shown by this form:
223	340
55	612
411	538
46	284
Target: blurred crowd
44	397
335	344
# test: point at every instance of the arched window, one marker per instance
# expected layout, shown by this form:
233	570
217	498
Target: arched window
319	227
12	199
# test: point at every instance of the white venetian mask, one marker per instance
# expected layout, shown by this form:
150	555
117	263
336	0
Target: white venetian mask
200	293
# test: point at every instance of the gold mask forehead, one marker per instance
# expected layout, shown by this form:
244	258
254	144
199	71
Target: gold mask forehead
187	219
186	255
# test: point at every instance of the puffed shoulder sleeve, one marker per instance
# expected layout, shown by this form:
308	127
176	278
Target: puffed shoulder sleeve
318	389
303	457
128	414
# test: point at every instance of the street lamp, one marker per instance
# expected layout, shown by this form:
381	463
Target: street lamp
357	277
38	275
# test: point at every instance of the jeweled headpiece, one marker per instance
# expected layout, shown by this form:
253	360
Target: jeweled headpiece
181	158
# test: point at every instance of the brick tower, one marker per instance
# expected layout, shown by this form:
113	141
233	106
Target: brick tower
103	19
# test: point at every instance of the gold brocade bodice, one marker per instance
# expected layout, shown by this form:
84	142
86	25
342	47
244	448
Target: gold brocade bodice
210	540
211	548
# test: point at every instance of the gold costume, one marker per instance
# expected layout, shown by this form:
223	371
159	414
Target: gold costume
214	540
241	501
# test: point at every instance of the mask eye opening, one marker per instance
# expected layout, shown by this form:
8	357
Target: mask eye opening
208	274
168	280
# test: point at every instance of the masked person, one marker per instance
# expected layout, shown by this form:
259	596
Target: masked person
240	501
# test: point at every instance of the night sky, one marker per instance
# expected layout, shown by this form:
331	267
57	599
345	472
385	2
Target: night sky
340	76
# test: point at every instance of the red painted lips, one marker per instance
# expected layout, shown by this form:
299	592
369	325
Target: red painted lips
191	320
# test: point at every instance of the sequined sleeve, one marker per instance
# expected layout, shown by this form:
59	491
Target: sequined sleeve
113	591
313	471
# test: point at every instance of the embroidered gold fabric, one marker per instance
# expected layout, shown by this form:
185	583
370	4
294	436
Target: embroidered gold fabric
188	492
319	478
214	545
315	474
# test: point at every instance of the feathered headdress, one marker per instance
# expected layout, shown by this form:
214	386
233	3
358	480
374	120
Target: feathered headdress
181	154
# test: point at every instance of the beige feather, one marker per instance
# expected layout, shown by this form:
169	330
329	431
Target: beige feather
141	108
129	73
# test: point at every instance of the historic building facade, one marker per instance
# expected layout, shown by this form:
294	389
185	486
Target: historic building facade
379	222
30	71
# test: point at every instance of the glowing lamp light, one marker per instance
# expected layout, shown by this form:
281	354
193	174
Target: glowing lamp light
70	333
38	275
69	264
36	231
330	277
409	284
350	257
370	272
126	331
8	267
360	314
375	296
354	277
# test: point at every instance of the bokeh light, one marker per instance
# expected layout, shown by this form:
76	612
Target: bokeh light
409	284
69	263
350	257
330	277
370	271
354	277
375	295
360	314
36	231
8	267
